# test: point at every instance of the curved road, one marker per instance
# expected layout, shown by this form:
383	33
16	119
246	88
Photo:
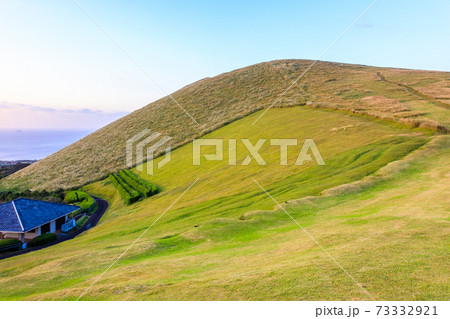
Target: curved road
95	218
91	222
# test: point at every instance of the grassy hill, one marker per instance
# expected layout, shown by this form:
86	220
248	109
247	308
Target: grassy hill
379	206
7	170
224	239
414	98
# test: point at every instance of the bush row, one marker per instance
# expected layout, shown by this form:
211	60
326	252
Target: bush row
128	187
54	196
131	187
12	244
86	202
42	240
128	194
141	189
80	223
72	197
144	187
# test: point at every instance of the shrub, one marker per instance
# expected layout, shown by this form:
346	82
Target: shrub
131	187
8	195
133	184
93	208
43	193
151	189
12	244
82	199
87	203
72	197
42	240
145	192
80	223
128	195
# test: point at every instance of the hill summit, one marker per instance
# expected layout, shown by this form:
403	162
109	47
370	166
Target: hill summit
410	97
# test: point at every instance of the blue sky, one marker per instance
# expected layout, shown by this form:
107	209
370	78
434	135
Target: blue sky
53	57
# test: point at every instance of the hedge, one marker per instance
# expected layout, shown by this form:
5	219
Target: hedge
87	203
141	189
72	197
128	195
80	223
55	196
145	190
128	187
93	208
149	186
131	187
82	199
9	242
42	240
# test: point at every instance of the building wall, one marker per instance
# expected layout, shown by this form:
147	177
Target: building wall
31	235
11	236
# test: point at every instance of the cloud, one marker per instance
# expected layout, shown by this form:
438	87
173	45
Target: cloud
25	116
7	105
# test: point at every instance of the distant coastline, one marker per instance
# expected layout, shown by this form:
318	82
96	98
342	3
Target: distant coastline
28	146
9	163
10	167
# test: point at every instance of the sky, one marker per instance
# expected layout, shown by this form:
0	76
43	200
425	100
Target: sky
58	69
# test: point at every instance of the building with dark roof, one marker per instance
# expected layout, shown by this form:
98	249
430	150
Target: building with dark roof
25	219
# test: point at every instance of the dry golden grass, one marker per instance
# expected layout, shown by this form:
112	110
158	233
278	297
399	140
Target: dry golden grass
216	101
436	86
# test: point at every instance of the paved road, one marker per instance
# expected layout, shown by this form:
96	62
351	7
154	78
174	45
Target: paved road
92	222
95	218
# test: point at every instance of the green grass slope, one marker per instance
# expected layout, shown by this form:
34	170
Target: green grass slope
224	240
216	101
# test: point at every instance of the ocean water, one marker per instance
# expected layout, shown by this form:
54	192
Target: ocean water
34	144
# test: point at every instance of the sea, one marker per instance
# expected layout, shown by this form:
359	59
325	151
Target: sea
35	144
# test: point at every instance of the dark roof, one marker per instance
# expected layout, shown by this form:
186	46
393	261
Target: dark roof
8	218
22	215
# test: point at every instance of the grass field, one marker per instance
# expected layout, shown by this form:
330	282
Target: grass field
216	101
223	240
